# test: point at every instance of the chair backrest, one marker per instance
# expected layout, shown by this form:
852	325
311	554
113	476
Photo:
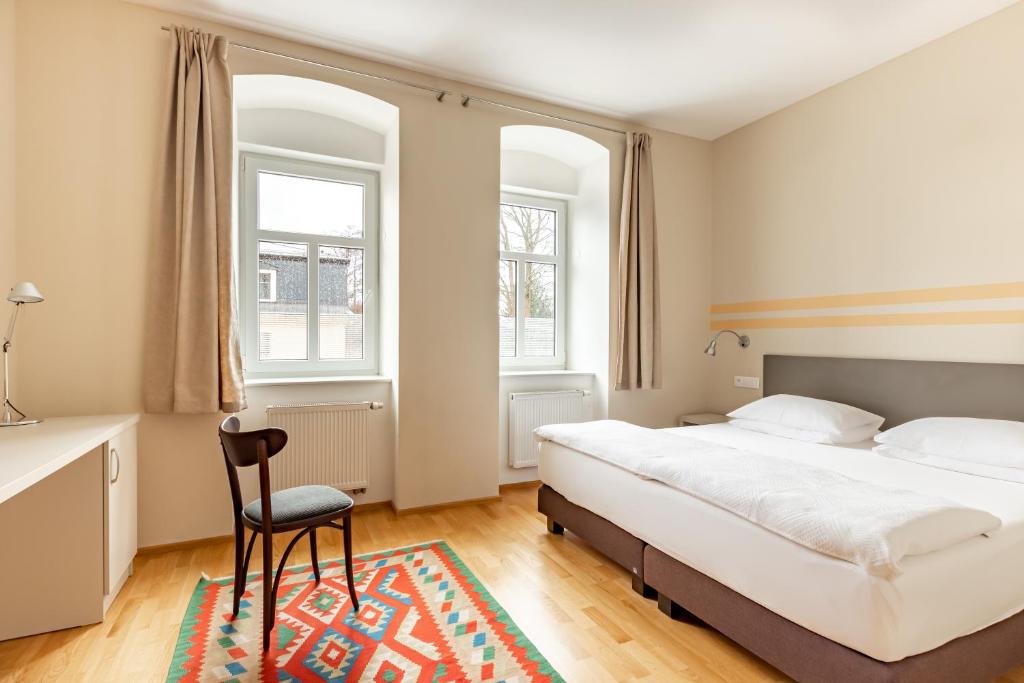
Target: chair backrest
242	449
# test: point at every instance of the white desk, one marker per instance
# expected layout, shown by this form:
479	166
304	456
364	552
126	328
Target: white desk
68	520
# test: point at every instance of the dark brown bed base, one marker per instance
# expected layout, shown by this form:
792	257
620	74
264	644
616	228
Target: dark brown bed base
804	655
623	548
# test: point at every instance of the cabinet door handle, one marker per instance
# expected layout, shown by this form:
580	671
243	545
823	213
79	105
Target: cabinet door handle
115	458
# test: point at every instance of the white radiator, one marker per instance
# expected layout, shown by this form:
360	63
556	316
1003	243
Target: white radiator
529	410
327	444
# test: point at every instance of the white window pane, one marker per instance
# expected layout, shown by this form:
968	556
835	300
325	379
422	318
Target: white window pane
282	317
527	229
341	303
507	309
312	206
539	302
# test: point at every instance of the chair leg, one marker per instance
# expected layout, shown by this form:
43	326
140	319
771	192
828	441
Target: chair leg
312	552
284	560
239	576
241	572
269	614
248	556
347	536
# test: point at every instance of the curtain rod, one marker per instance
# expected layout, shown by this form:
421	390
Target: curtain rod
439	93
466	99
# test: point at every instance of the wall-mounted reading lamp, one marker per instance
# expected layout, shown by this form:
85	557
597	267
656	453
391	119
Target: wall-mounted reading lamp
712	347
21	293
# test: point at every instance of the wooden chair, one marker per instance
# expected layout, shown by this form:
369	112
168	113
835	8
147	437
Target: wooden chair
302	507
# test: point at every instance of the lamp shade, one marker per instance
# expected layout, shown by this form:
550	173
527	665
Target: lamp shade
25	293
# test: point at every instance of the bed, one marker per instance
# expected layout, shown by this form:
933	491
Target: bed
812	616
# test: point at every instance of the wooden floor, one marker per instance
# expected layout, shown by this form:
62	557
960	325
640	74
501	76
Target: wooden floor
573	604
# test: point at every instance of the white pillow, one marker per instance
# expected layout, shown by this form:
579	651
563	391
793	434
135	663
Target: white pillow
813	414
989	442
865	433
978	469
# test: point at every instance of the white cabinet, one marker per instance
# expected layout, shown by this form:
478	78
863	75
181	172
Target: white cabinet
120	509
68	520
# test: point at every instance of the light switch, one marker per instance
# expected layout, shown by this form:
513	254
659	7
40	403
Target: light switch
746	382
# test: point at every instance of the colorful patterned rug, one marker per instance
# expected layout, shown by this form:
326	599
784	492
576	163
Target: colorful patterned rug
422	617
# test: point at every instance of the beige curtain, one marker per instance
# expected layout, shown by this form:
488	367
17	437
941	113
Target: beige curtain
638	365
193	363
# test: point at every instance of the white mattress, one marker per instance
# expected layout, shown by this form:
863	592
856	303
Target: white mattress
938	597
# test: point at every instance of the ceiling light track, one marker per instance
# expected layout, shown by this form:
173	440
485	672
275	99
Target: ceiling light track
439	93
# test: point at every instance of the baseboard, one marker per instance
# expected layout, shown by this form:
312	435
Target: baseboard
371	507
442	506
360	508
182	545
533	484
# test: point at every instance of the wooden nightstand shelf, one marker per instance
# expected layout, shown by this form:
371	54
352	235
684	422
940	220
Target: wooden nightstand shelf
696	419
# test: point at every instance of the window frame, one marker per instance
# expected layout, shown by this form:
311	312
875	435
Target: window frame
251	164
560	262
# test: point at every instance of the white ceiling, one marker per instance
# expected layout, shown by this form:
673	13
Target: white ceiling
700	67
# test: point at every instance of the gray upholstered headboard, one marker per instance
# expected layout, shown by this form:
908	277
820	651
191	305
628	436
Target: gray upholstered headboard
902	390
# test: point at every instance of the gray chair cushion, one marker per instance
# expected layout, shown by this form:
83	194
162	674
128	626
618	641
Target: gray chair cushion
299	503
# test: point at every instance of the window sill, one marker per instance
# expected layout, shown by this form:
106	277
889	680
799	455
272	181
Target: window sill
543	373
333	379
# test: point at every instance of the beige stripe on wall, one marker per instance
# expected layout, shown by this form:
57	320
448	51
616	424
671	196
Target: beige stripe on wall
1015	317
1003	290
911	297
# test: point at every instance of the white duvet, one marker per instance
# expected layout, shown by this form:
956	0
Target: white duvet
861	522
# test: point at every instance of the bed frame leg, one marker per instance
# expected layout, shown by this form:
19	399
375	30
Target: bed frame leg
669	608
554	527
677	612
642	588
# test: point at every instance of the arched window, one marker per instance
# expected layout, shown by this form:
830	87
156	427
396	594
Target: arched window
310	155
540	179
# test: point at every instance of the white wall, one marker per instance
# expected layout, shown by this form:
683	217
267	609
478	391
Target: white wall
390	290
588	323
682	187
510	384
530	170
199	501
306	131
7	172
336	140
89	113
907	177
576	169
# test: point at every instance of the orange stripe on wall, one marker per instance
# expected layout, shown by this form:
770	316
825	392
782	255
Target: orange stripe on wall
875	320
1004	290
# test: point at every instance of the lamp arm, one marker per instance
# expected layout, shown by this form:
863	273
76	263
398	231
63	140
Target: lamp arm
743	339
9	337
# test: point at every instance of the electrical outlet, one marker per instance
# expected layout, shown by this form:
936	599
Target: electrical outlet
746	382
